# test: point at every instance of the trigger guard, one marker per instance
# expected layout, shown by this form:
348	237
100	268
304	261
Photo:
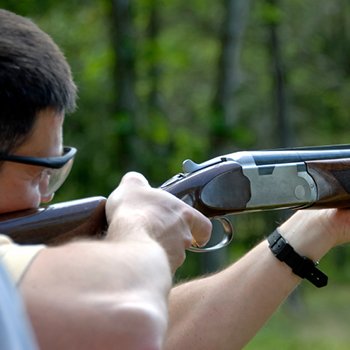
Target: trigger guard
226	239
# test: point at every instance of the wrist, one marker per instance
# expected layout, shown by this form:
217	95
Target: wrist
308	234
301	265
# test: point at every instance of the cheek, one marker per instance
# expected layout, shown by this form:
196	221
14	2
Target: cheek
17	195
29	198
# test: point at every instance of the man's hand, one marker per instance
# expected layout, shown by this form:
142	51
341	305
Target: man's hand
139	211
314	232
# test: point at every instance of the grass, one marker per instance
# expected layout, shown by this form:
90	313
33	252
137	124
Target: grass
316	319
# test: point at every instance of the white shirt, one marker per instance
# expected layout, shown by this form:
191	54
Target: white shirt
15	331
16	258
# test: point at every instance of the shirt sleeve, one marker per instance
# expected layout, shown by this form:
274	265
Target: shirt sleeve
17	258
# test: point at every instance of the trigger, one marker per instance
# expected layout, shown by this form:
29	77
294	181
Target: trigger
226	237
228	229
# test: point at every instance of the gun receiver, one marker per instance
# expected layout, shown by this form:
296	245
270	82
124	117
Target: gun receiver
317	177
264	180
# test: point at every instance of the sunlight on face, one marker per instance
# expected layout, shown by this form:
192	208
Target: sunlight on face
21	185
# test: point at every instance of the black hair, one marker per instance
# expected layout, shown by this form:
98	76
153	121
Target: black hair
34	75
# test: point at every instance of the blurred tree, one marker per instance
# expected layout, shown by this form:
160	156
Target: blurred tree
224	115
126	104
163	81
283	128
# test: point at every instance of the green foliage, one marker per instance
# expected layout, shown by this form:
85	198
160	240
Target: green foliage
176	80
318	320
270	12
27	7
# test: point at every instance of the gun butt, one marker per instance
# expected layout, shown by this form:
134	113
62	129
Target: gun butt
56	223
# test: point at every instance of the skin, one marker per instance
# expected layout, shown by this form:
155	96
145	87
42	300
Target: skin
20	184
117	288
237	302
116	293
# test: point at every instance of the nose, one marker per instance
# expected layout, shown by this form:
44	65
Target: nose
44	185
47	199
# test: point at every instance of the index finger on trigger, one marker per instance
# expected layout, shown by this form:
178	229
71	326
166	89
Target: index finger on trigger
201	228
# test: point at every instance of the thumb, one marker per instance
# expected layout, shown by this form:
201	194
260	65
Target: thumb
133	178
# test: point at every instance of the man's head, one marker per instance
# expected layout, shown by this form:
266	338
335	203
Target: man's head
34	75
36	89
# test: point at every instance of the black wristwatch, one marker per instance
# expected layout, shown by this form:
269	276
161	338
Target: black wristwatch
300	265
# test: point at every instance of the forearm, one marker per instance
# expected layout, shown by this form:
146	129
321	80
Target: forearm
95	295
226	310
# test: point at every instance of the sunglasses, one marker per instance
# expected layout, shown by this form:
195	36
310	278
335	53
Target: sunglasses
57	168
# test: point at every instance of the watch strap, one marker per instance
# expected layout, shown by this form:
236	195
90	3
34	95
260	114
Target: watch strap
300	265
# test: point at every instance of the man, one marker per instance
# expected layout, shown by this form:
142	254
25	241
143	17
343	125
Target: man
87	294
116	293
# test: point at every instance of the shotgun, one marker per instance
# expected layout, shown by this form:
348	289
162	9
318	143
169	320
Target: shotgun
244	181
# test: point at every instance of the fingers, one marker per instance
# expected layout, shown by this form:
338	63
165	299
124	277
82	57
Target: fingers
165	218
126	188
134	178
200	227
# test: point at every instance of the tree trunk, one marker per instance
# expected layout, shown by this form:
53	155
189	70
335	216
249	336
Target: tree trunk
223	117
125	109
154	72
283	130
125	51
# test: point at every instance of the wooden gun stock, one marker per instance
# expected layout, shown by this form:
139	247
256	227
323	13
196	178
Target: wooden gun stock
332	178
56	223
